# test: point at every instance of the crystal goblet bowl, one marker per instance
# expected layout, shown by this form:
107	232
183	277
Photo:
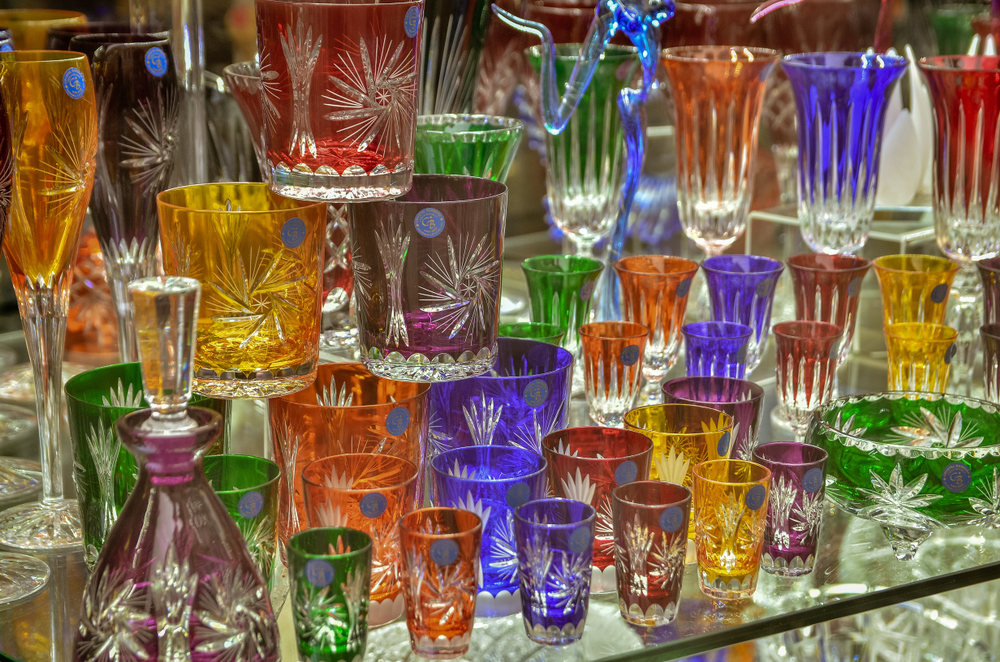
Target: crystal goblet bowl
913	462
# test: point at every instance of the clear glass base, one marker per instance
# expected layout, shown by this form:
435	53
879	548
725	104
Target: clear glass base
302	184
339	340
419	368
19	480
50	524
260	384
718	587
553	636
21	577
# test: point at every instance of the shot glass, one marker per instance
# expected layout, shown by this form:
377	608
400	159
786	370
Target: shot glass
716	349
427	277
492	481
329	570
655	293
989	273
257	257
683	436
914	287
555	550
730	515
828	289
523	398
612	367
351	137
741	289
795	509
806	366
440	566
560	289
369	493
740	399
540	331
587	464
651	523
474	145
346	410
920	356
990	334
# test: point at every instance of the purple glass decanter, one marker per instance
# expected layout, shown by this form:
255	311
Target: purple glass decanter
174	580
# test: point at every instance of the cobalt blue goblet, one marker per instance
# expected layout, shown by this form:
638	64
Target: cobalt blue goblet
716	349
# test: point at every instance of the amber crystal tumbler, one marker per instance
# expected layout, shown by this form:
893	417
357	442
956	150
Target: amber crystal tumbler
914	288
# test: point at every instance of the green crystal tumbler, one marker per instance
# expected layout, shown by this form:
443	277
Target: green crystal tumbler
474	145
561	288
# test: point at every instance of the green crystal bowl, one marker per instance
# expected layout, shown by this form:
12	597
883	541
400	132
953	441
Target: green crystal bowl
913	462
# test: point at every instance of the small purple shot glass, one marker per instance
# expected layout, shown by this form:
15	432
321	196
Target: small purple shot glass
716	349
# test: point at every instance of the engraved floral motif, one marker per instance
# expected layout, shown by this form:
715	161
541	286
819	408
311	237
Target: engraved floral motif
463	289
269	88
441	593
394	244
173	586
671	466
301	55
987	507
782	498
569	582
121	398
322	618
807	517
114	621
604	527
331	515
893	501
504	550
288	442
149	145
638	541
578	487
534	567
104	447
666	562
530	437
335	397
929	431
235	622
258	532
482	416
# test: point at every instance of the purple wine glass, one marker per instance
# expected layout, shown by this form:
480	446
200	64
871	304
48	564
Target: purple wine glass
716	349
738	398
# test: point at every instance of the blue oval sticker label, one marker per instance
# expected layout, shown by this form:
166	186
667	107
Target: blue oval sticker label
536	393
397	421
626	472
6	48
587	290
250	505
579	539
723	447
74	83
956	477
741	353
411	22
671	519
517	495
156	61
854	287
813	480
630	355
950	353
939	293
428	222
755	497
764	287
373	505
684	287
444	552
293	233
319	572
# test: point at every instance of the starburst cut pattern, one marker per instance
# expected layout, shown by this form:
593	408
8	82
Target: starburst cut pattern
544	421
385	577
807	517
473	505
334	397
578	487
458	471
482	417
301	55
504	550
441	593
988	507
463	290
893	501
930	431
323	620
258	533
270	90
6	186
569	582
288	442
638	541
534	565
235	619
394	247
122	398
672	466
666	563
149	144
173	586
331	515
604	527
376	101
104	448
564	449
730	529
782	499
114	621
69	167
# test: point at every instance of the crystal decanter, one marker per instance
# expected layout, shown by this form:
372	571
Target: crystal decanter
174	580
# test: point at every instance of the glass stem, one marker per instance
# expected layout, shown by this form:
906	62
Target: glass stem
43	312
127	349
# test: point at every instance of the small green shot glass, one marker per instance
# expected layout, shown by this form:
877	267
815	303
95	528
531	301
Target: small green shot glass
540	331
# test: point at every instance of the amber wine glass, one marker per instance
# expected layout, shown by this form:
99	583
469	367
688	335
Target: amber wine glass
50	101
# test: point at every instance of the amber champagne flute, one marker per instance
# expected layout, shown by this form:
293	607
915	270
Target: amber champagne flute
50	100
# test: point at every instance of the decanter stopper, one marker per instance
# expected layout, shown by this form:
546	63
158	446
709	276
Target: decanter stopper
166	314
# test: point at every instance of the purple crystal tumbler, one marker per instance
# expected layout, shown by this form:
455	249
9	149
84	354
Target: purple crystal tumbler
427	278
795	509
742	400
555	550
523	398
716	349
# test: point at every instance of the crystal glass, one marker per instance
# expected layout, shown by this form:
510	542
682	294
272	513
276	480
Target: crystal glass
58	38
6	44
351	136
104	471
716	349
612	364
540	331
742	400
346	410
257	257
587	464
525	396
683	436
174	561
49	100
841	101
244	82
502	65
912	462
655	293
138	98
914	287
713	23
952	25
741	289
440	549
427	278
29	27
718	92
795	509
555	550
370	493
920	356
730	514
561	289
329	570
474	145
806	365
491	481
651	523
450	55
990	334
585	163
989	273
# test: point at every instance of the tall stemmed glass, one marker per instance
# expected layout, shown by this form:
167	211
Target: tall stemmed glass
50	100
137	125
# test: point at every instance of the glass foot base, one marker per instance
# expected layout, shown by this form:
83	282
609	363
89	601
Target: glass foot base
21	577
16	423
299	182
259	384
339	340
418	368
553	635
53	524
19	479
18	383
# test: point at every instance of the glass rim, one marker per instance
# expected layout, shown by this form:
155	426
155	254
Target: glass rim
42	56
39	15
547	326
731	327
888	62
897	330
144	39
686	54
616	494
562	353
630	330
546	445
342	3
699	433
776	266
570	52
821	330
497	125
351	490
233	69
161	200
937	63
552	526
528	264
991	264
499	190
621	267
257	460
791	444
731	461
756	390
439	536
493	481
991	330
880	263
423	388
794	263
291	545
